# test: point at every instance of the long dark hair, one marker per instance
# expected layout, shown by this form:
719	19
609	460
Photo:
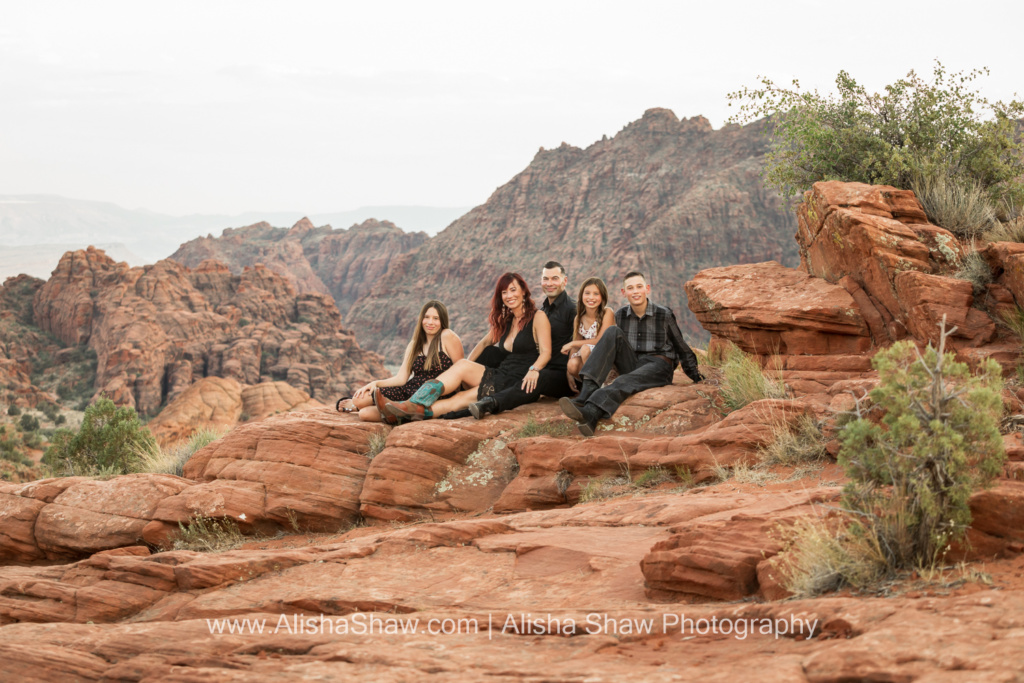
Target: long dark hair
581	307
419	337
501	316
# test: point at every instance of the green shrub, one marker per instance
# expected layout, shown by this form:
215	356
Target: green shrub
912	472
13	410
111	439
28	423
745	381
945	128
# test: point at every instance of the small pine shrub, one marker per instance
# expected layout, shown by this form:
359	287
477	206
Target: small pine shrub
745	381
13	410
111	439
911	474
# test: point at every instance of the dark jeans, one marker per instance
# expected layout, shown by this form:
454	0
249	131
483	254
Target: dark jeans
636	372
552	382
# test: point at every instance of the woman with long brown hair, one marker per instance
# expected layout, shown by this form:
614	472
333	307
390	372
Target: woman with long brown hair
518	332
593	317
434	348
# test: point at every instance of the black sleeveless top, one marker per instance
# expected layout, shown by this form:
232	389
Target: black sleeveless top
515	365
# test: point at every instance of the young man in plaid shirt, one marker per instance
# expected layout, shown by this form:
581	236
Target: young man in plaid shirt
644	346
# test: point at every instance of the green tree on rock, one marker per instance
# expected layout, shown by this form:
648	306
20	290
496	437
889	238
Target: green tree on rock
111	440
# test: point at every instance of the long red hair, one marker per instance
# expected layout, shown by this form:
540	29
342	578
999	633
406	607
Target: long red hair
501	316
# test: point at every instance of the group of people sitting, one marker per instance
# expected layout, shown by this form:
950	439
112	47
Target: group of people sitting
565	349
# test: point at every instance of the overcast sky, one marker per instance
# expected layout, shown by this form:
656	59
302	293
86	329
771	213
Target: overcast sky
225	107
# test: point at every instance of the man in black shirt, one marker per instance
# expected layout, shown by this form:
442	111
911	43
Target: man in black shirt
553	380
645	346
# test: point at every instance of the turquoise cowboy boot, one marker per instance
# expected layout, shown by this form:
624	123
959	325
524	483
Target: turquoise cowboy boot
418	405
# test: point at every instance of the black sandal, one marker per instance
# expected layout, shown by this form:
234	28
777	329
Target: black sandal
338	408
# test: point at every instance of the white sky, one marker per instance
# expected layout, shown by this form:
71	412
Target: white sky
224	107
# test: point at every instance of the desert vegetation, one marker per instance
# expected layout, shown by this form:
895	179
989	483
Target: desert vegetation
924	441
960	152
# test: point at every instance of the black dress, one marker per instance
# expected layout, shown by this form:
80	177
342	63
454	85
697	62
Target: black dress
514	366
419	376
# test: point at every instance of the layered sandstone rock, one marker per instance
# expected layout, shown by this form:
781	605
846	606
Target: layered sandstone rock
157	329
342	263
21	343
221	403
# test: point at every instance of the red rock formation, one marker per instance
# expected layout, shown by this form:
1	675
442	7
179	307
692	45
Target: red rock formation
667	196
156	329
342	263
220	403
20	343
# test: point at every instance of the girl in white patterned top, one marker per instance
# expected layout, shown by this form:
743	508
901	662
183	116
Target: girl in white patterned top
593	317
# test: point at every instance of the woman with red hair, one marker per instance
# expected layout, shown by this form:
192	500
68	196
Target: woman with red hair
519	333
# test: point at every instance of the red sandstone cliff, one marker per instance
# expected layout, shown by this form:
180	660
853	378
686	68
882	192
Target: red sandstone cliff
342	263
665	196
157	329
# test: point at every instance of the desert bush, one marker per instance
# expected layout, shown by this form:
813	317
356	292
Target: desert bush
745	381
206	534
961	206
975	269
944	128
110	439
651	477
794	444
28	423
912	472
13	410
1013	320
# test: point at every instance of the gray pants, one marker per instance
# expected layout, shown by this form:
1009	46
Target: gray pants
636	372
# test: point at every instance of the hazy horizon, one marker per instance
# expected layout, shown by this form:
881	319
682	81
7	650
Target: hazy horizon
231	107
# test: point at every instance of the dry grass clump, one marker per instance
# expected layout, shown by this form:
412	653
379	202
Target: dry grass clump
959	205
745	381
376	443
171	460
652	477
555	428
818	558
794	444
975	269
209	535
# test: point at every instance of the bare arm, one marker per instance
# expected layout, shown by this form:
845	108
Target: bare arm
480	346
396	380
452	345
542	335
606	322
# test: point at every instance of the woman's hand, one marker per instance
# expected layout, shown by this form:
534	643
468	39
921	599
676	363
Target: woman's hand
530	381
568	348
365	390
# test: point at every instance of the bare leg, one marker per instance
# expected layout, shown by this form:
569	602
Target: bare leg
457	402
359	403
575	365
463	373
584	355
369	414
